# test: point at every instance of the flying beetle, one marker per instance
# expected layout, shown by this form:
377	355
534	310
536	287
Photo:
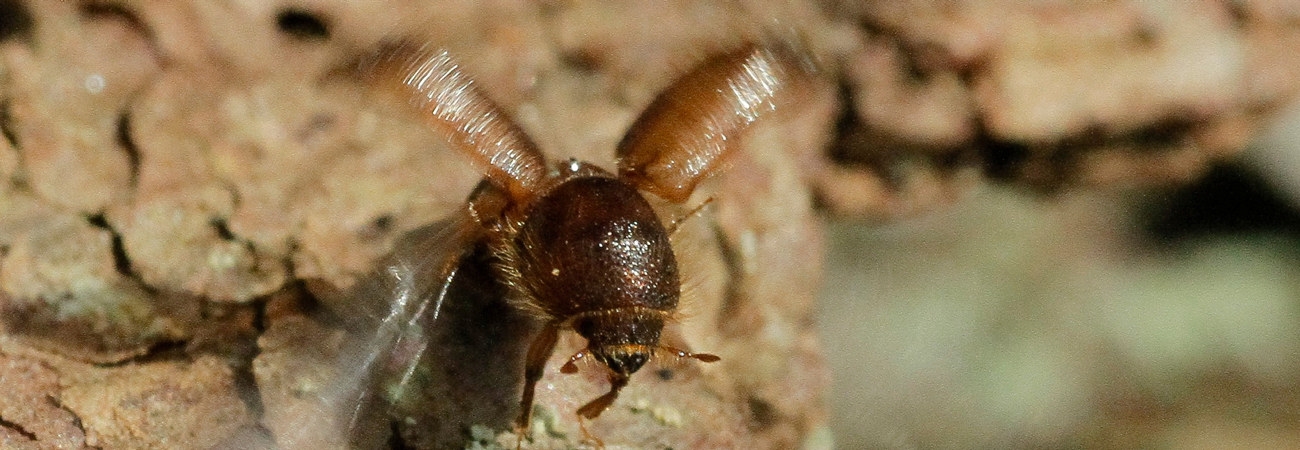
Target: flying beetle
575	246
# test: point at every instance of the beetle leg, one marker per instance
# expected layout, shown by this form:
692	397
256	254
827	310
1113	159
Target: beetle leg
592	409
534	365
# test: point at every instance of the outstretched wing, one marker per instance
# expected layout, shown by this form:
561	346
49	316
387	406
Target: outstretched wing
691	126
455	107
390	317
434	348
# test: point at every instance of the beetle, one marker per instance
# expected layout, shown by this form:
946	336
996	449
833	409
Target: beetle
578	247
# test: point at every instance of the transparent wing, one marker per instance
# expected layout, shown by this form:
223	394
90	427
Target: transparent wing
693	124
433	350
391	336
386	319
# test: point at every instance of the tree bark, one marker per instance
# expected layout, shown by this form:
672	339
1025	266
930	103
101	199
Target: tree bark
195	197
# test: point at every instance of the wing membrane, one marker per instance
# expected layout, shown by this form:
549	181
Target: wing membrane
389	317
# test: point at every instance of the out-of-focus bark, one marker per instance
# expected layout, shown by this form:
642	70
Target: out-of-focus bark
1050	94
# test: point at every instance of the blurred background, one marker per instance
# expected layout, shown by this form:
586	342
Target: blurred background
1140	318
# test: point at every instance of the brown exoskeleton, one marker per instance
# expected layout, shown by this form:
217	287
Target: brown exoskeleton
578	246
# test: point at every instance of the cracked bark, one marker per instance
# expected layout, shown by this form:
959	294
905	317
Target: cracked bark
16	428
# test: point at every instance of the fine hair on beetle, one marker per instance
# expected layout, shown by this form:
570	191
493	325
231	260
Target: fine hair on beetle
582	248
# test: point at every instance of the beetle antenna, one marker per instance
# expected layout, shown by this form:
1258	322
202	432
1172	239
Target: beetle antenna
672	226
